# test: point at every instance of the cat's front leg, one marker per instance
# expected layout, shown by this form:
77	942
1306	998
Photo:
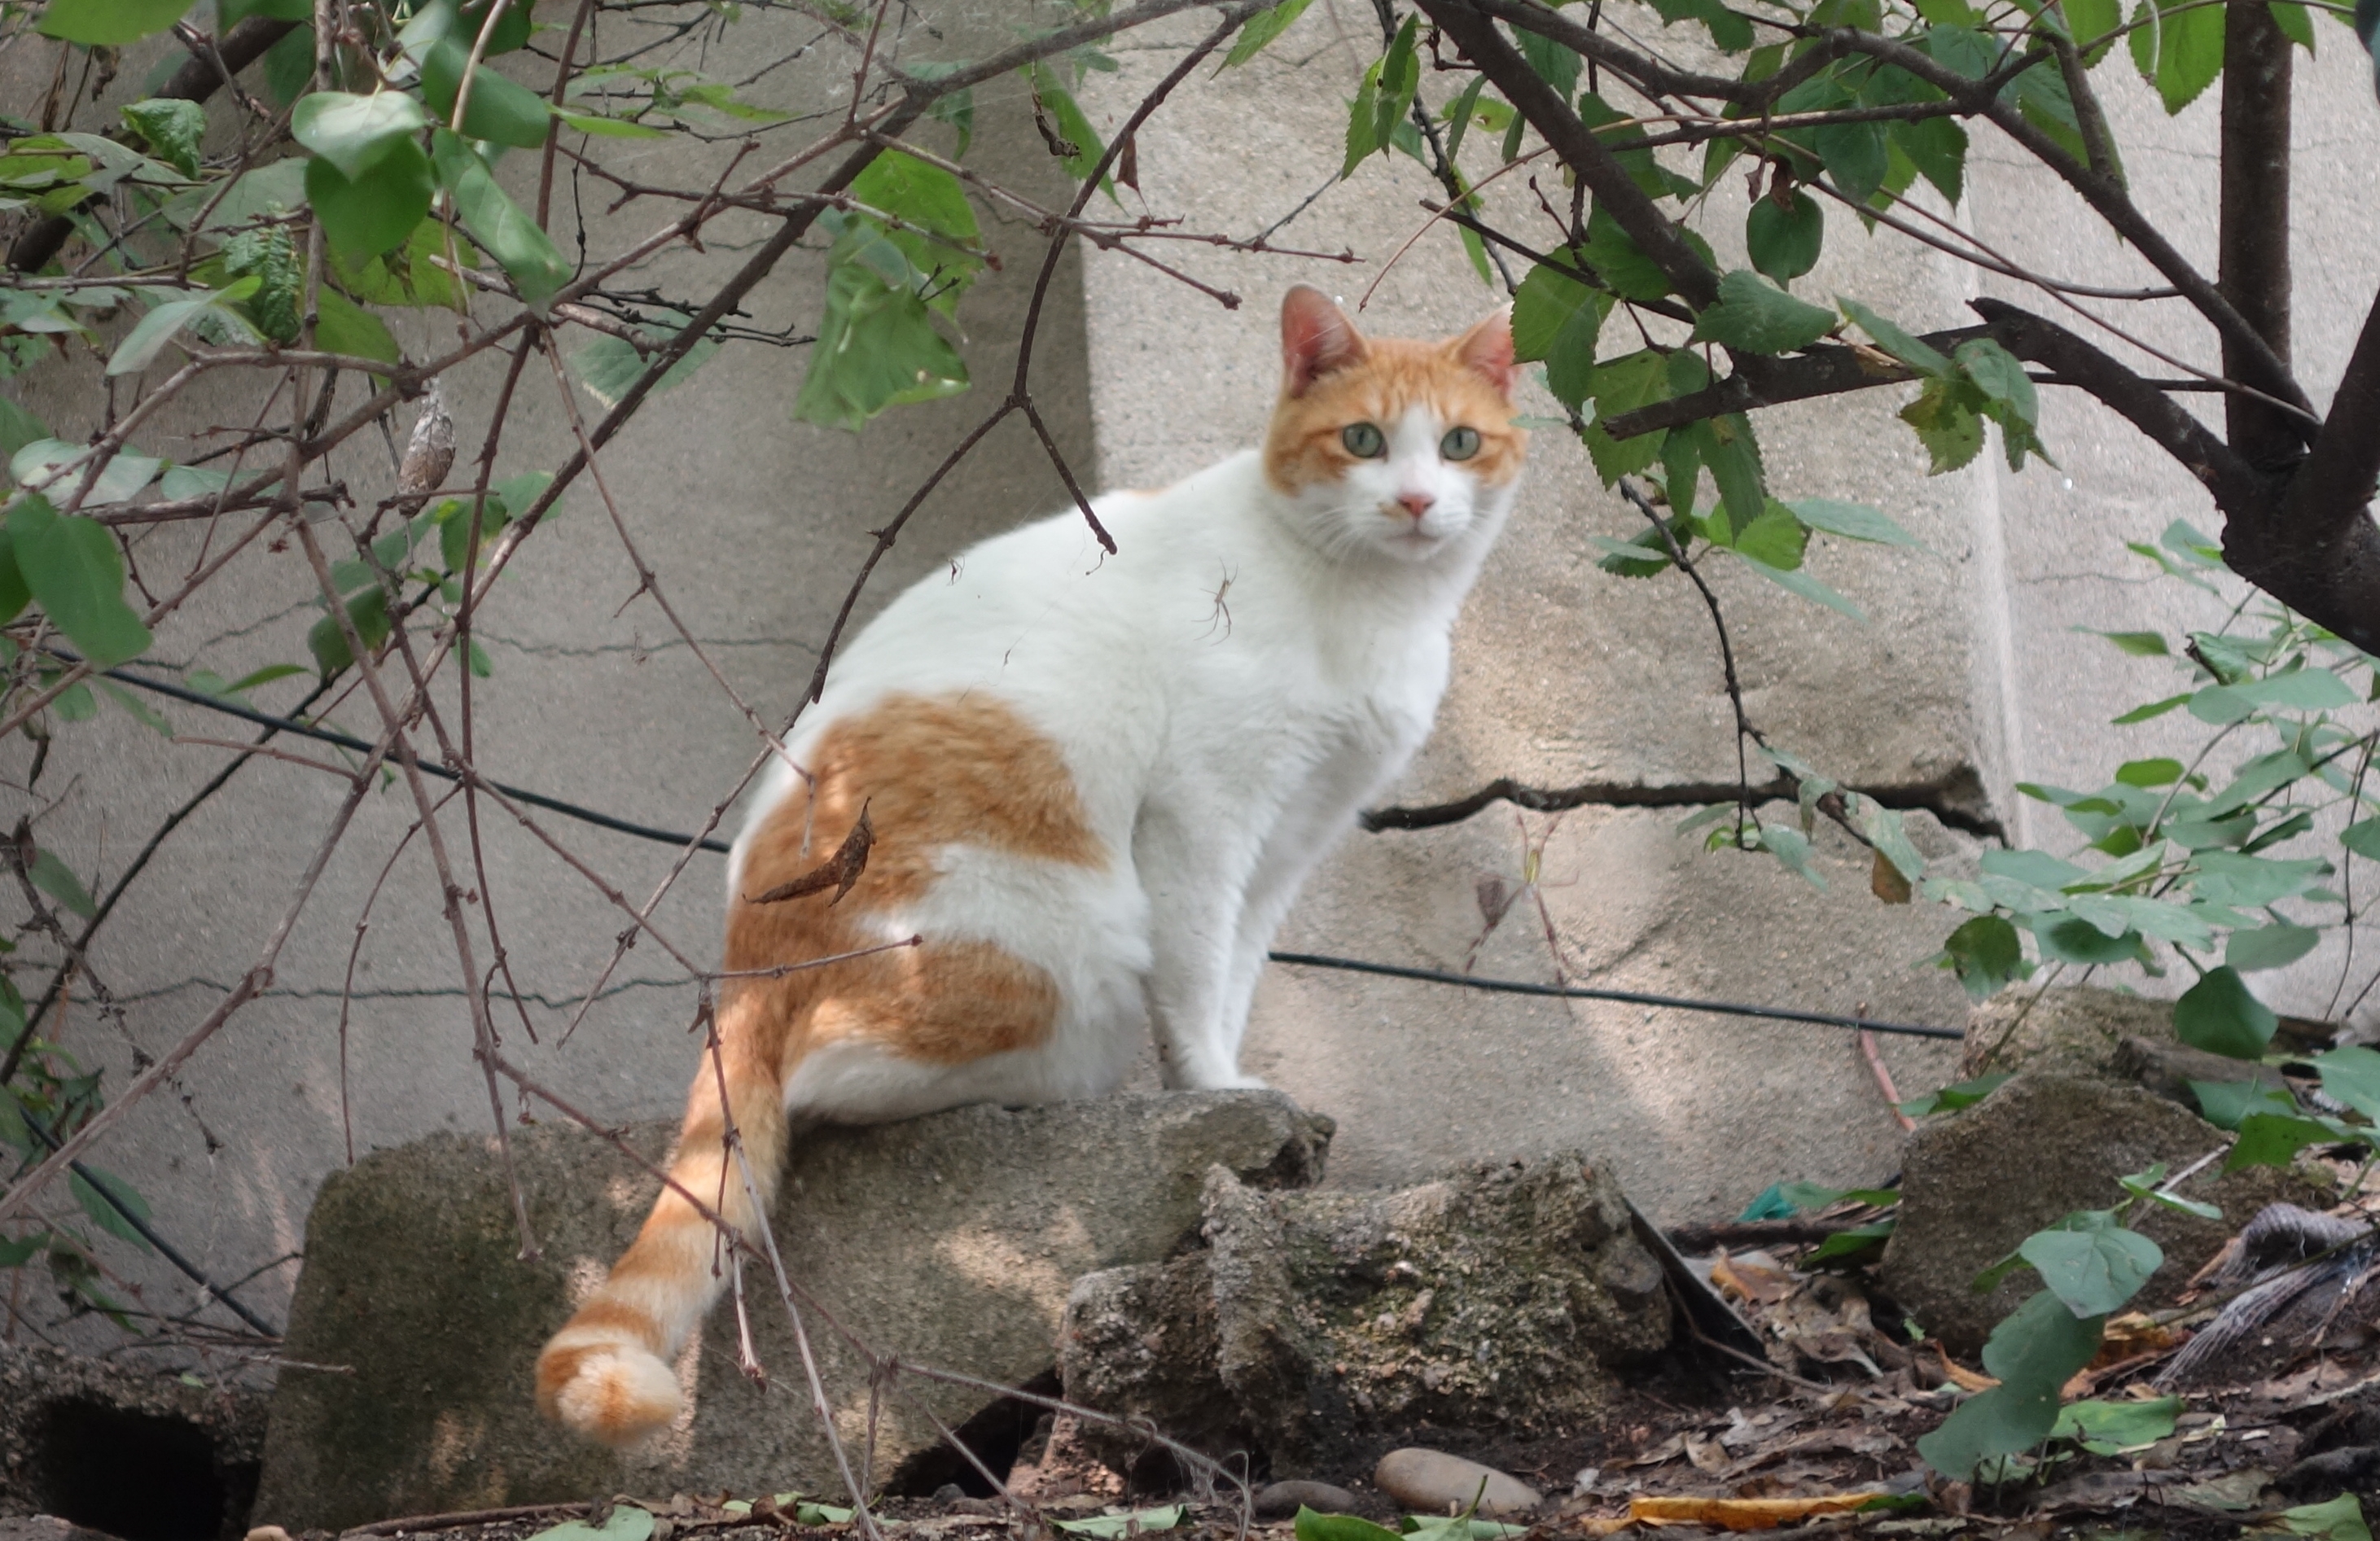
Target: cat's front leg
1194	862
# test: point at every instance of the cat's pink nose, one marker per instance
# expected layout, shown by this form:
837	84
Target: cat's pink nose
1415	504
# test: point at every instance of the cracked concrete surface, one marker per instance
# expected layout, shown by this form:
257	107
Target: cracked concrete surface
1563	674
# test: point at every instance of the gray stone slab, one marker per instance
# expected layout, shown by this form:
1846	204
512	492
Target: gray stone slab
949	1240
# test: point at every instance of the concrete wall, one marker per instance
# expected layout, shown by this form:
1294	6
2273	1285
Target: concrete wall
1563	674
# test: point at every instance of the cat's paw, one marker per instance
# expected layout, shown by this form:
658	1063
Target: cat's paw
612	1392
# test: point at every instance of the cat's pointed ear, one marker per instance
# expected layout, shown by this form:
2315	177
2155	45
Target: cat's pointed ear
1316	337
1487	349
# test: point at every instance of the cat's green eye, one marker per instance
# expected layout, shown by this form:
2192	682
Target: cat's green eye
1460	444
1363	440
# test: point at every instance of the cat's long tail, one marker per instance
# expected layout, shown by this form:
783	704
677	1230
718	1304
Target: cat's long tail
607	1373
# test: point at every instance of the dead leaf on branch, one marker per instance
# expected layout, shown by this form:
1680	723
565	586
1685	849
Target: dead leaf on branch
838	871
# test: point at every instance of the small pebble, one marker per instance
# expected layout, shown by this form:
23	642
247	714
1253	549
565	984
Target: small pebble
1432	1481
1283	1500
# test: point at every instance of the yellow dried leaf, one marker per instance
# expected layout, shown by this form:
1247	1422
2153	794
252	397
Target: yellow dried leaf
1740	1513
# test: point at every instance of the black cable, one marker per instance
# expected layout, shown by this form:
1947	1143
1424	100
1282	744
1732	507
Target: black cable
306	730
1304	960
1629	997
165	1248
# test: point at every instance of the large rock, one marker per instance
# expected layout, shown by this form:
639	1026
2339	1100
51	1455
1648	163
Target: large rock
949	1240
124	1450
1497	1298
2050	1141
2076	1027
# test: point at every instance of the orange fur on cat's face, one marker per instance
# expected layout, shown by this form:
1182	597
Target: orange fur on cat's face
1412	495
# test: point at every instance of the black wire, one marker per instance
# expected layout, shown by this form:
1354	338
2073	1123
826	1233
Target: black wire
604	820
197	1276
1305	960
1634	998
306	730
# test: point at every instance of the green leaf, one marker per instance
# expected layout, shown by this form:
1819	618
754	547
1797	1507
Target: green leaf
2139	644
1946	425
2226	1104
499	109
1558	319
2341	1518
1109	1527
1261	29
231	13
1950	1099
626	1523
2352	1076
877	347
172	128
109	23
1556	64
2189	53
107	1216
497	224
1792	847
2296	23
1855	154
14	594
2078	942
1807	588
376	211
2117	1427
2033	1352
2273	946
1313	1526
2091	1262
149	337
2001	376
1938	148
73	567
1986	954
1784	242
2362	838
2149	773
1757	318
2275	1139
948	256
125	475
19	428
2220	1015
2143	1185
55	878
1073	128
609	365
1851	1242
1776	537
343	326
369	613
289	66
1612	253
1910	350
354	132
134	707
2153	710
1852	521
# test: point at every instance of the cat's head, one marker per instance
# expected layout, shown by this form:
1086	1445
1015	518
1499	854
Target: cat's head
1388	446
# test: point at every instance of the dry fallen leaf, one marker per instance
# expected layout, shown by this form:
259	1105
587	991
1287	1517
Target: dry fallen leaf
838	871
1959	1375
1885	881
1743	1279
1707	1455
1742	1514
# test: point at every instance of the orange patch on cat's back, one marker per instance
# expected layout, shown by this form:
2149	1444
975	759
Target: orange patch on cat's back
932	771
1303	445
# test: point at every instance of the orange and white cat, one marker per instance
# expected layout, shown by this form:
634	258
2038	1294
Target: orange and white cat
1094	786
